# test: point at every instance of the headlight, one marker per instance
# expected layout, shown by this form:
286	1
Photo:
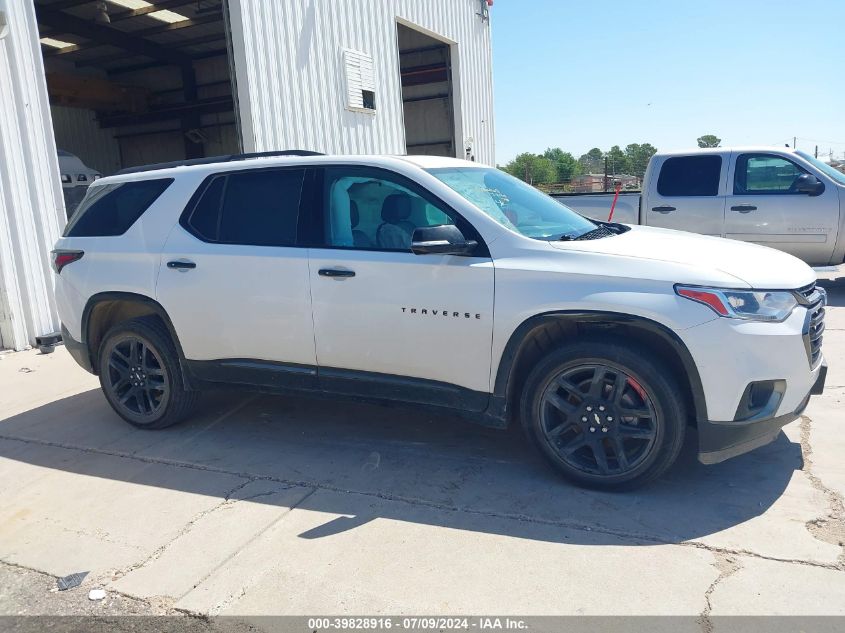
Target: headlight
751	305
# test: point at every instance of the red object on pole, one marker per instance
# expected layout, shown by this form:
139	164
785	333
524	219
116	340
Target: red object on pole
615	198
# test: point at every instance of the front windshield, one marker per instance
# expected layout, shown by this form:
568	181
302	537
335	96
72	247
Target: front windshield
837	175
514	204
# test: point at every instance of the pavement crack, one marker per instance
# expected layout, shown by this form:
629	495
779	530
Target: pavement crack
829	528
628	535
185	529
246	585
727	566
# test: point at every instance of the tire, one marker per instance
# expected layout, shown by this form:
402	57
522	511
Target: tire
141	377
604	413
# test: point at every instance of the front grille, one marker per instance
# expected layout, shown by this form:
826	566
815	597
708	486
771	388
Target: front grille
815	300
808	295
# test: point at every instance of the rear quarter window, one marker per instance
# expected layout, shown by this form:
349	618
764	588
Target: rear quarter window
109	210
690	176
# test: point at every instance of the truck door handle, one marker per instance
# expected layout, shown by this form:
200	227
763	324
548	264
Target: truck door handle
335	272
181	265
744	208
663	209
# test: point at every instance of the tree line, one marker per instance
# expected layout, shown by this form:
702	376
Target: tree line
555	166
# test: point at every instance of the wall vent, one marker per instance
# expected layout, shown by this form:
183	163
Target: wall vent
360	81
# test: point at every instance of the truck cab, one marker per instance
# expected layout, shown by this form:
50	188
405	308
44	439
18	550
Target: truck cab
781	198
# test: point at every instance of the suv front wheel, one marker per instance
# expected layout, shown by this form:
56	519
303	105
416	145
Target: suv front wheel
140	375
604	413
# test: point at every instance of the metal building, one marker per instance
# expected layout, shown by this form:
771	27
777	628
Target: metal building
119	83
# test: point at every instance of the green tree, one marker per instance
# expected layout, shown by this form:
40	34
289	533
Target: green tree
708	140
533	169
565	164
592	162
617	162
638	156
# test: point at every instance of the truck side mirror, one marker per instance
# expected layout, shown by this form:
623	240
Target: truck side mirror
444	239
809	184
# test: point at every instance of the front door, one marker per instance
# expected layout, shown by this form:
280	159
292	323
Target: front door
235	285
387	322
764	208
687	195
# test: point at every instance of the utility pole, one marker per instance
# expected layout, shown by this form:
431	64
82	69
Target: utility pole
605	172
817	151
794	142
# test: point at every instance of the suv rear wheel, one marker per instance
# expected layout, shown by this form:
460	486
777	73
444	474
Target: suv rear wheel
606	414
140	375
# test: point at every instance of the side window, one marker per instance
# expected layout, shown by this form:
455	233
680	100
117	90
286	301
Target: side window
109	210
257	208
205	218
374	212
765	173
690	176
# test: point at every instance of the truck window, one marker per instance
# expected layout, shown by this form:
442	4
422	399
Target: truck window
765	173
690	176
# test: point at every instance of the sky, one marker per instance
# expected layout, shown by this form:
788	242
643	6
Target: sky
578	75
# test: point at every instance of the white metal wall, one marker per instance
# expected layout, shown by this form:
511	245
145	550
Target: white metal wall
288	66
31	203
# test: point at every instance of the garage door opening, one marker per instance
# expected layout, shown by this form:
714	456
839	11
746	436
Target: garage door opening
425	65
134	82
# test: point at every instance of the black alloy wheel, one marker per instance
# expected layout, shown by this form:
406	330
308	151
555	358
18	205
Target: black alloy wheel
606	413
599	419
137	378
141	374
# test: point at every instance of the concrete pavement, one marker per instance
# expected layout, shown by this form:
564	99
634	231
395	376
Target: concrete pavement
270	505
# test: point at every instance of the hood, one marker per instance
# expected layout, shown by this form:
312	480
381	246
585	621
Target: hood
757	266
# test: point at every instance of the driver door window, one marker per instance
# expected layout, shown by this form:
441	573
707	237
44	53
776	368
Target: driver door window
765	174
373	213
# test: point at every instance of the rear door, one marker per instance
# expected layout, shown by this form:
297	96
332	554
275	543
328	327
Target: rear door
235	284
687	194
387	322
763	207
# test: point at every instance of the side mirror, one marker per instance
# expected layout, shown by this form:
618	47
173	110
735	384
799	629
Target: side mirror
809	184
445	239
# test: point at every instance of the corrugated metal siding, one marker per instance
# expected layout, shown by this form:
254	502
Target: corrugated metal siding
31	203
77	132
291	86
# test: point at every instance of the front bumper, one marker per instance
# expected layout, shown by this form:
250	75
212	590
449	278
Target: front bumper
718	441
79	351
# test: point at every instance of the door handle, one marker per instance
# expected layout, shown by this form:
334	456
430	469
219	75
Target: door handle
663	209
744	208
335	272
180	265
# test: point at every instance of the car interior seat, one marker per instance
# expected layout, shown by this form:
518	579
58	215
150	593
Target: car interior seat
359	238
395	231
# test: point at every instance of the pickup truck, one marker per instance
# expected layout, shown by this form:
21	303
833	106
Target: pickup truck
776	197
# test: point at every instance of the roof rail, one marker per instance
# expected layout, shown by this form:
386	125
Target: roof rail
226	158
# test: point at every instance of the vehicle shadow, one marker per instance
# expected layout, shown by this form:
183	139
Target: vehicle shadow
393	462
835	291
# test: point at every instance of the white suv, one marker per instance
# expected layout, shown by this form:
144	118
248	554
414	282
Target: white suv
441	283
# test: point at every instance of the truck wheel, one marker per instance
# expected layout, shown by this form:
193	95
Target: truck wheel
140	375
606	414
